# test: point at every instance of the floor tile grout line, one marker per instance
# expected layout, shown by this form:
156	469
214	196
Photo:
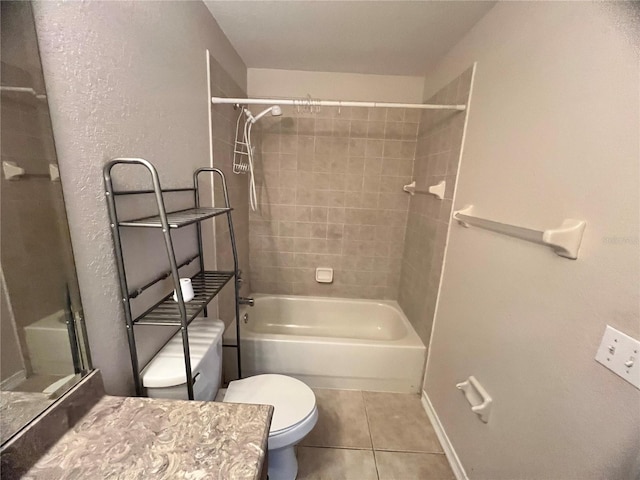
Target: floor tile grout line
366	414
359	449
340	448
395	450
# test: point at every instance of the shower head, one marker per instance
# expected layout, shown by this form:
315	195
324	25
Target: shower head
275	111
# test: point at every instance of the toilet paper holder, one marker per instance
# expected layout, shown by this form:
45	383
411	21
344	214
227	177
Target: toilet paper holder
481	402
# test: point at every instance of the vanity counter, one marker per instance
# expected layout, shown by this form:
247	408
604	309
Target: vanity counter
128	437
17	409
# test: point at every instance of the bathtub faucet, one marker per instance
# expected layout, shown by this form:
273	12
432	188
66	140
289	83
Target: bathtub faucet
246	301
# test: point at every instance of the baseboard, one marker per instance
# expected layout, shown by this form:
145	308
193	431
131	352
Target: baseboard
13	381
450	453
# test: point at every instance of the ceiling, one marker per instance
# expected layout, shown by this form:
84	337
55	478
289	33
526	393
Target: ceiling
376	37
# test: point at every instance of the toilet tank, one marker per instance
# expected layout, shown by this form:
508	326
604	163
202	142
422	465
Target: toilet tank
165	375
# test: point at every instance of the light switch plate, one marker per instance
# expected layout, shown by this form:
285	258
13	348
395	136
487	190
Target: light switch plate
620	353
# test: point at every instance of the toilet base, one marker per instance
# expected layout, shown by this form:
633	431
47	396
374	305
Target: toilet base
283	464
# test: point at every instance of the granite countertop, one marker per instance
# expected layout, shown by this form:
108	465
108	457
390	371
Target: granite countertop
19	408
142	438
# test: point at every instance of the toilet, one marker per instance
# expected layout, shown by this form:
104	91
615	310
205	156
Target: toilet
294	403
294	415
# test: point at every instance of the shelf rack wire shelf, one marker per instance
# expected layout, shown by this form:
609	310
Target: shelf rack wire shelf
177	219
206	284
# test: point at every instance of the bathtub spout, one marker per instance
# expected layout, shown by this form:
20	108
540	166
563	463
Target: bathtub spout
246	301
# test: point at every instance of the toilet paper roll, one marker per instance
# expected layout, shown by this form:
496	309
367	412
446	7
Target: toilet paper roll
187	290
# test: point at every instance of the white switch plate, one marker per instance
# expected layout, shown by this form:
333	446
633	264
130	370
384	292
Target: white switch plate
620	353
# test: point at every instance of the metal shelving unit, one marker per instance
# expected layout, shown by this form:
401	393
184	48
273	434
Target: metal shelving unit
206	284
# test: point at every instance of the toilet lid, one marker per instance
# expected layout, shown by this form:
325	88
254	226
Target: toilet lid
292	400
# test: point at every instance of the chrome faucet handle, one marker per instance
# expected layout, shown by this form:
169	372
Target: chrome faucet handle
246	301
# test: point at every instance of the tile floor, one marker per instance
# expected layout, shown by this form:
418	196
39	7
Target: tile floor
371	436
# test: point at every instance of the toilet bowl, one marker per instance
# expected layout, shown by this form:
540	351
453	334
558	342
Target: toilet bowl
294	415
294	403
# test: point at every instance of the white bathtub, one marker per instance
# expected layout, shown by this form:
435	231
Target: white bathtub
333	343
48	345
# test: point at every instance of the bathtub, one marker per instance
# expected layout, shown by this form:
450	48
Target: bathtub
48	345
332	343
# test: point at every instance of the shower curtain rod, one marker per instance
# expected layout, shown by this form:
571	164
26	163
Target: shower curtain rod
306	102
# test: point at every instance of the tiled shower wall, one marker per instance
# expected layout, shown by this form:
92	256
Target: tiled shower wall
437	158
330	195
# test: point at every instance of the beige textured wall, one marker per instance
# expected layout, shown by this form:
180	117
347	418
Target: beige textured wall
268	83
126	79
437	157
553	133
330	191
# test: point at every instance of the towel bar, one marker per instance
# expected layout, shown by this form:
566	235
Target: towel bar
564	240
